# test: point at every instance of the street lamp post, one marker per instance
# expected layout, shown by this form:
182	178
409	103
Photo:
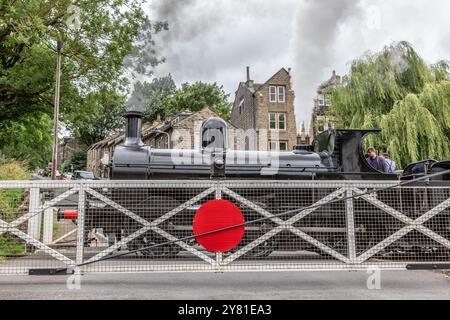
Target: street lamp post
56	109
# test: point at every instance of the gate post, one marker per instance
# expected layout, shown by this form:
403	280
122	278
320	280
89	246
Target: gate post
34	223
47	236
350	218
219	255
80	224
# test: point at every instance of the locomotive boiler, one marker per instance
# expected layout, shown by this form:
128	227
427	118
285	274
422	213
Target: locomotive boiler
338	155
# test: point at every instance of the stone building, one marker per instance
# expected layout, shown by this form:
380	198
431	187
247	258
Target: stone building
320	121
65	149
265	113
303	137
181	131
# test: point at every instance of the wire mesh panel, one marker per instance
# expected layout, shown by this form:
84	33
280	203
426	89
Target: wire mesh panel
134	217
133	226
32	236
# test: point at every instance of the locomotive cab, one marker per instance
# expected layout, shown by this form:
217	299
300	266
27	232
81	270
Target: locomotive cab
214	135
343	150
214	142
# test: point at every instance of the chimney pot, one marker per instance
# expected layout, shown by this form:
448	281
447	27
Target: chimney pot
248	73
133	130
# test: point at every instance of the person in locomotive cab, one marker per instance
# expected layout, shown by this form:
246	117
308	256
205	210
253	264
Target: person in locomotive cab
377	162
390	162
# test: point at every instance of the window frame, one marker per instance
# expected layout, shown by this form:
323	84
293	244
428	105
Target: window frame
284	120
241	105
277	120
327	100
321	100
270	145
277	144
275	93
283	95
274	120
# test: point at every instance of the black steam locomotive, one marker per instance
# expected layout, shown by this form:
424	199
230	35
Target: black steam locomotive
337	155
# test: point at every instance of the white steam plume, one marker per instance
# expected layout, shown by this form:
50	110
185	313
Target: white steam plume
316	26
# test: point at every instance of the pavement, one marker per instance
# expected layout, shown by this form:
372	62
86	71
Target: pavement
339	285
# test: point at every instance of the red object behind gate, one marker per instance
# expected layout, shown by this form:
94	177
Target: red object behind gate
218	214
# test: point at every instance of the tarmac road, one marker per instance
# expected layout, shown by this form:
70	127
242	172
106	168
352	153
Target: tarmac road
245	285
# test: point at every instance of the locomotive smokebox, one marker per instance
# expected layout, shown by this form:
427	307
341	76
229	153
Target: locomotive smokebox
131	160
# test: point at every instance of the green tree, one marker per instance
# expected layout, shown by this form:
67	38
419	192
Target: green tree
157	94
195	97
77	161
110	37
27	138
93	53
104	115
397	91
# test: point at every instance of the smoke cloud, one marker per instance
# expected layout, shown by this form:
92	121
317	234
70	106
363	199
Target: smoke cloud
214	40
316	26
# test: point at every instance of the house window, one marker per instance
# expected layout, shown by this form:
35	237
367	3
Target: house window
281	94
273	146
320	125
282	121
320	100
272	120
277	94
277	121
277	145
327	100
273	94
241	105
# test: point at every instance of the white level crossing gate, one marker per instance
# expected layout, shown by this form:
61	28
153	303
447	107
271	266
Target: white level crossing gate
101	226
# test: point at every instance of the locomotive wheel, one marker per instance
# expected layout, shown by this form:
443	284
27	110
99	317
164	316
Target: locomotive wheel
263	250
166	251
417	252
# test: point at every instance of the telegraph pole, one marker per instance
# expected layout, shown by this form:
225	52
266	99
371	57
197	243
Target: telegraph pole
56	110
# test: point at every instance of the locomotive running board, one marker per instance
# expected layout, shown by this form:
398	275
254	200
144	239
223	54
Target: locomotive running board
50	271
428	266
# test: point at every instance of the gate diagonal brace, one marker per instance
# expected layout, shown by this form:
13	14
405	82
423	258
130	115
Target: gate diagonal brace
30	240
31	214
151	225
411	224
284	225
12	228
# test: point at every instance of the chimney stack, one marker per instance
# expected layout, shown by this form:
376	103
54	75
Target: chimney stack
248	74
133	130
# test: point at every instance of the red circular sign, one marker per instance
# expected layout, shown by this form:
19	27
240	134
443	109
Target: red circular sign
214	215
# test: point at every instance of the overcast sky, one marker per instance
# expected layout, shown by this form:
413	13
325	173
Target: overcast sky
214	40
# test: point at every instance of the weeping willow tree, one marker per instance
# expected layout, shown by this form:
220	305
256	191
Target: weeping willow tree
395	90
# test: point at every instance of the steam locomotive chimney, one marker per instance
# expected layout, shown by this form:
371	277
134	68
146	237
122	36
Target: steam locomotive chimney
133	131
